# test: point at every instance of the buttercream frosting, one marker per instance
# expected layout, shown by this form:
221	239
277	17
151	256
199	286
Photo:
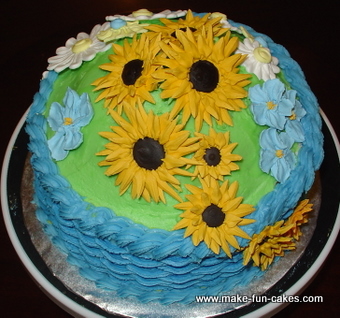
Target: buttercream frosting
259	59
67	121
76	50
154	264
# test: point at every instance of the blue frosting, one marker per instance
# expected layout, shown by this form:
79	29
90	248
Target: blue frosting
119	255
118	23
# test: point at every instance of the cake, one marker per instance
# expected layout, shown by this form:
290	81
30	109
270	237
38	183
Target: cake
172	154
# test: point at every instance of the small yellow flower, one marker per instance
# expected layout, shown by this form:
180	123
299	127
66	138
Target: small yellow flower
213	214
298	218
271	242
214	157
146	151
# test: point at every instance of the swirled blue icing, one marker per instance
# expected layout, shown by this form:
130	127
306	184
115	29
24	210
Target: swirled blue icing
118	254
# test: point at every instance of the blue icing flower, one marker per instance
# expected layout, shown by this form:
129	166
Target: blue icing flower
276	156
271	105
293	125
67	122
117	23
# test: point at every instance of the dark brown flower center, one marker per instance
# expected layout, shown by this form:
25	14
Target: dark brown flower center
148	153
204	76
212	156
132	71
173	34
213	216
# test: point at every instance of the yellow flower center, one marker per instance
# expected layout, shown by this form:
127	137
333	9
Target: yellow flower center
279	153
81	45
262	55
218	15
271	105
292	117
68	121
142	12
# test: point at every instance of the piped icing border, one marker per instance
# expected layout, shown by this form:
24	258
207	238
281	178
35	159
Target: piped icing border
105	247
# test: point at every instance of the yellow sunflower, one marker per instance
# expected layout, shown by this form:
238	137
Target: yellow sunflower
194	23
271	242
129	81
215	157
299	217
213	214
202	75
146	151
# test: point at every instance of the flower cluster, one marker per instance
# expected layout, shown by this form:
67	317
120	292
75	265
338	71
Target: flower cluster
278	108
272	105
192	63
183	60
275	239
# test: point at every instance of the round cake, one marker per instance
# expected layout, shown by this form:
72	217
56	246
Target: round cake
172	154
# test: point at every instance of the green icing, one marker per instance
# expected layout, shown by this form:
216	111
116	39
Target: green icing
88	179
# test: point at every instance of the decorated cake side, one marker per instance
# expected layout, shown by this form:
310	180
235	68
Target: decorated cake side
172	152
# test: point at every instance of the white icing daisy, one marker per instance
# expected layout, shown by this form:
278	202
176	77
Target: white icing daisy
76	50
259	60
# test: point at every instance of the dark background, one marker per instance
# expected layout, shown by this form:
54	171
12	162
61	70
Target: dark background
30	32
